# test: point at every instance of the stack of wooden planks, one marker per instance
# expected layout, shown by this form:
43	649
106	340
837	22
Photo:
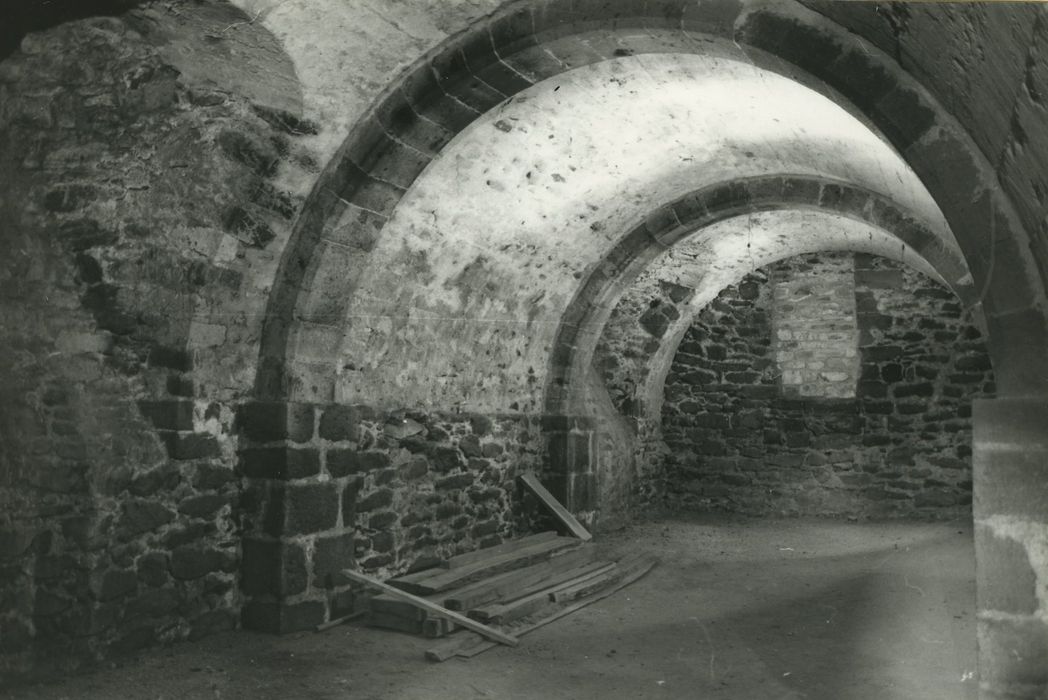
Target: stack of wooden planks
511	583
499	593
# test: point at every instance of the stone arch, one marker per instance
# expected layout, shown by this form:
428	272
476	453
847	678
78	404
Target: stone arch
454	307
527	42
652	316
673	223
622	389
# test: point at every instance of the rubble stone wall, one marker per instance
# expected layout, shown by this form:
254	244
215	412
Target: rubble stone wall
740	440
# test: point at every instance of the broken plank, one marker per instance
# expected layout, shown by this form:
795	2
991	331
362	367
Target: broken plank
635	572
339	620
511	582
555	506
458	641
447	579
435	627
467	558
432	607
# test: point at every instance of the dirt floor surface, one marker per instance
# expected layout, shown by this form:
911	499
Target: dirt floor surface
738	609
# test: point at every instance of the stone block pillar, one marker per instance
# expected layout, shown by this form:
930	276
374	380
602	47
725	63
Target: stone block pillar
571	446
332	486
1010	447
293	515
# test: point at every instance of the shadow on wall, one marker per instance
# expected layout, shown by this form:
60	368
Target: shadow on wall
136	195
780	402
24	16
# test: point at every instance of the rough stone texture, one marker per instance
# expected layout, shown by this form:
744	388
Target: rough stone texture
994	82
394	492
686	277
738	441
130	182
564	223
149	187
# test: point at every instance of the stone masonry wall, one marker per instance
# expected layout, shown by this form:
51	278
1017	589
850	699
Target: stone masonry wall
902	446
137	174
327	487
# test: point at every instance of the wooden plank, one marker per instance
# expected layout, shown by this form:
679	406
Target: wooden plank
339	620
555	506
642	567
468	644
564	578
505	614
433	608
467	558
584	588
436	627
393	622
394	606
410	581
490	589
452	645
502	586
535	600
446	579
508	612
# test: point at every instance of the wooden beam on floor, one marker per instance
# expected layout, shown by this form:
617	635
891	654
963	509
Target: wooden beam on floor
430	607
505	586
468	558
432	581
339	620
536	598
636	570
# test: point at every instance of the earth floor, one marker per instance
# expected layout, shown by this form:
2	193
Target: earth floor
738	609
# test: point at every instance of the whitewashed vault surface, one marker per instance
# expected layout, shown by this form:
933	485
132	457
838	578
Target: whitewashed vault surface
465	289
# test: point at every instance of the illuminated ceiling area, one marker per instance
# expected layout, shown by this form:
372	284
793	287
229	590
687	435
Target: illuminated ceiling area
719	255
462	296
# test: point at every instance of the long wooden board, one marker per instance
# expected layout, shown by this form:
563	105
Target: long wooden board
565	579
393	622
428	606
467	644
387	604
468	558
511	582
536	597
427	583
590	585
555	506
636	571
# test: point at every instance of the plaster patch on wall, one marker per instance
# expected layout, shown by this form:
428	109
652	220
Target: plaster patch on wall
1034	539
815	332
